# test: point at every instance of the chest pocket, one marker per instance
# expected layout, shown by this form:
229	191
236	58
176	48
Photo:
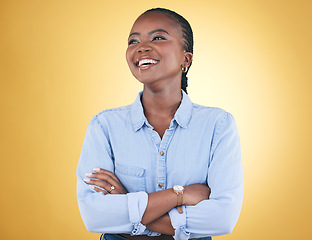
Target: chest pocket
132	178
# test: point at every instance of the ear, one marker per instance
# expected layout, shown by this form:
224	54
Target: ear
188	57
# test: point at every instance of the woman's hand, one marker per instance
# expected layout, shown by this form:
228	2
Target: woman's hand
106	180
195	193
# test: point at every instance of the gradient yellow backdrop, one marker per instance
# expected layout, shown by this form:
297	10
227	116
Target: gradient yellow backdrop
63	61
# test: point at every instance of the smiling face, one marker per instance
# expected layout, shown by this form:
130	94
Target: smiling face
155	53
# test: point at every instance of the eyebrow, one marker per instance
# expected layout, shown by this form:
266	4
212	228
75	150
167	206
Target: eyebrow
150	33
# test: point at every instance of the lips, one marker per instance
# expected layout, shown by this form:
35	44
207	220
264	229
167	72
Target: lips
146	62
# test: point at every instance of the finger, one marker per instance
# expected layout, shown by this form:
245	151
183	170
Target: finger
101	170
99	190
102	184
113	189
98	183
112	175
103	176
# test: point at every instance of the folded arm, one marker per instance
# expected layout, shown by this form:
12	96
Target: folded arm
159	203
219	214
114	213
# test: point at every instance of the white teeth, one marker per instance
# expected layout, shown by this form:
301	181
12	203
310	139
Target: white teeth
144	61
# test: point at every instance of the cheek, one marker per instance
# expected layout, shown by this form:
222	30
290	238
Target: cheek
129	55
129	58
175	53
180	56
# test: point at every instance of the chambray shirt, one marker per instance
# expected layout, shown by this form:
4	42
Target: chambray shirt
201	145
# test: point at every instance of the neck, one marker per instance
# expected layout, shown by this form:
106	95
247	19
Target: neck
162	103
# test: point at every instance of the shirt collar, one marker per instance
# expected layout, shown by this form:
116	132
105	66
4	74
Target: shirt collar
182	116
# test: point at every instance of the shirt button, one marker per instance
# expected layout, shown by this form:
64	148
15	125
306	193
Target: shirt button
160	185
162	153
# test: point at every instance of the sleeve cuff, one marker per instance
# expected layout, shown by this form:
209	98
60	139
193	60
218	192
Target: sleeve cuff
151	233
137	203
178	222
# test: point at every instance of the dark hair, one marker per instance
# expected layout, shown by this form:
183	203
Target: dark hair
187	36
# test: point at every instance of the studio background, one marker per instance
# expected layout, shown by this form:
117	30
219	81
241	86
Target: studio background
63	61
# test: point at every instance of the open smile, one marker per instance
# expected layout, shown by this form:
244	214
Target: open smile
146	63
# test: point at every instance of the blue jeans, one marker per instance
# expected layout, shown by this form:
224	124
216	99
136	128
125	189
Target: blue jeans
111	237
116	237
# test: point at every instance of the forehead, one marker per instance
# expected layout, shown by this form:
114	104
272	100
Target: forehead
155	20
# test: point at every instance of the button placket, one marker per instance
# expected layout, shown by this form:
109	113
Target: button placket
162	158
161	171
162	146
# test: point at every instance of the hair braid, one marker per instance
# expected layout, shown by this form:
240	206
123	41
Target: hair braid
187	36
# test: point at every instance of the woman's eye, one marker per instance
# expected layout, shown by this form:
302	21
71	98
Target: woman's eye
158	38
132	41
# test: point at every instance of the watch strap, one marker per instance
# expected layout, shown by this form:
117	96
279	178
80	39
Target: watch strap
180	201
179	209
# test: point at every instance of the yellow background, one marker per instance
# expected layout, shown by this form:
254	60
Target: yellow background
63	61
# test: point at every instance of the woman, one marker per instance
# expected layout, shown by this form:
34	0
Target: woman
162	166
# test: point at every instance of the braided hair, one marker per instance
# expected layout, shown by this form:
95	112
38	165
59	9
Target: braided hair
187	36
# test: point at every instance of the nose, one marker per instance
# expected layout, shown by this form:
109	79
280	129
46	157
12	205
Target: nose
144	48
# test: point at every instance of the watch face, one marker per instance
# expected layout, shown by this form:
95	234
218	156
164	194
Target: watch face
178	188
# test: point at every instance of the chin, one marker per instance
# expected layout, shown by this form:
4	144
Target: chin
145	79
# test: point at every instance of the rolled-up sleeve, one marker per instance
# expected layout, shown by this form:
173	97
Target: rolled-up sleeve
219	214
111	213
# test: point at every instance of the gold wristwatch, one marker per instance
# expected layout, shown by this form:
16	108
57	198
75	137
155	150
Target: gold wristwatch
179	191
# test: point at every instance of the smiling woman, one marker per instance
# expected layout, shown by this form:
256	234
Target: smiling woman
155	44
162	166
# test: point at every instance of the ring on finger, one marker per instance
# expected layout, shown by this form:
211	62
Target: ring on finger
111	189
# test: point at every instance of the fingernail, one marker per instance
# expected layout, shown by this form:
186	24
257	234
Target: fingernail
86	180
88	174
91	186
96	169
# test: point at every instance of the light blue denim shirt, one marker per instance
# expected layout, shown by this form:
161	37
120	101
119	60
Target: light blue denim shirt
201	146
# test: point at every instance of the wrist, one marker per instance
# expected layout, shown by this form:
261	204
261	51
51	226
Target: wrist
185	195
178	190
